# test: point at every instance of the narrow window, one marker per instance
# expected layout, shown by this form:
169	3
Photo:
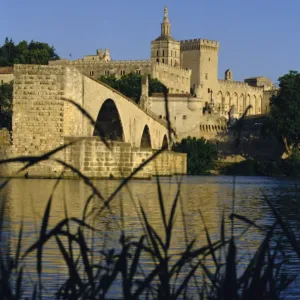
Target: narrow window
91	73
163	61
1	81
157	53
106	73
171	63
175	53
171	53
157	60
206	76
163	52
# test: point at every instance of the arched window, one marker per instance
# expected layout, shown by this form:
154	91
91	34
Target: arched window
108	123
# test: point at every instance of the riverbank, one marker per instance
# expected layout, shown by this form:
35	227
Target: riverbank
250	167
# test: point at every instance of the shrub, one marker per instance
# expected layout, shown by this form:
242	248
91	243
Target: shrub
201	154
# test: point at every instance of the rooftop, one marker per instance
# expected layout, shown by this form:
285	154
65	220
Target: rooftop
165	38
6	70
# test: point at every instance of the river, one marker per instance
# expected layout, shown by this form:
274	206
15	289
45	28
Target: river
26	199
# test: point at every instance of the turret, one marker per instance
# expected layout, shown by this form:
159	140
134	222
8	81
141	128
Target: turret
228	75
165	49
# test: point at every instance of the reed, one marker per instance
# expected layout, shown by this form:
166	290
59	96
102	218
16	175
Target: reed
93	275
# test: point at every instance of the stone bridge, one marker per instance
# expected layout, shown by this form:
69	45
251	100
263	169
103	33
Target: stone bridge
44	119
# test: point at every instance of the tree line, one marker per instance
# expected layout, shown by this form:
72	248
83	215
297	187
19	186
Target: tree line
130	85
26	53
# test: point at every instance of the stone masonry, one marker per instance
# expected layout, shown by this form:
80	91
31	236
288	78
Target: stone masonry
43	120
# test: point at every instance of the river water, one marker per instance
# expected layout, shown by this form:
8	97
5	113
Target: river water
26	199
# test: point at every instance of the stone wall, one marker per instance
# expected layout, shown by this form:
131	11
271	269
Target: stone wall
239	94
178	80
96	68
95	160
266	100
38	111
5	137
5	149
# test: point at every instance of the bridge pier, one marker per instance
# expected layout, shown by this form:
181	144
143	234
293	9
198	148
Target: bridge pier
95	160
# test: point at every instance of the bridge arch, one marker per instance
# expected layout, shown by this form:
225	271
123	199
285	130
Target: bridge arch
146	138
109	122
165	143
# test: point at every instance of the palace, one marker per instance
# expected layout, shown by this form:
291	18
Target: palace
189	68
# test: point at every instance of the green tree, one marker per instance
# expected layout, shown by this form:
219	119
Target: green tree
130	85
24	53
6	95
285	111
156	86
110	80
201	154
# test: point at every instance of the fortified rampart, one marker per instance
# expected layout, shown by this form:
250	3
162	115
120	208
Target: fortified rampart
98	68
196	44
178	80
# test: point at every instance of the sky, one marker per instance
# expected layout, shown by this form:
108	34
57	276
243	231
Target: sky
257	37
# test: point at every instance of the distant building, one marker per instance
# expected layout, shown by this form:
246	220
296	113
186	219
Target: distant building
187	66
6	74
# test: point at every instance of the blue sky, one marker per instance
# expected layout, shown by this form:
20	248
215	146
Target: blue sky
257	37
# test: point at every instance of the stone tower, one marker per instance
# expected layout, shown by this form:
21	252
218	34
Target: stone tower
201	56
165	49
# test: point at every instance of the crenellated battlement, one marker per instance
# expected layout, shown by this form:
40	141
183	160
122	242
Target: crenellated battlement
196	44
99	63
209	43
240	84
173	69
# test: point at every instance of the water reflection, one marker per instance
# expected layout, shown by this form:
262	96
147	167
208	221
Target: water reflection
26	200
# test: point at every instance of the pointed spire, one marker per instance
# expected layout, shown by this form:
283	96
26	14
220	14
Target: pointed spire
165	25
166	13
